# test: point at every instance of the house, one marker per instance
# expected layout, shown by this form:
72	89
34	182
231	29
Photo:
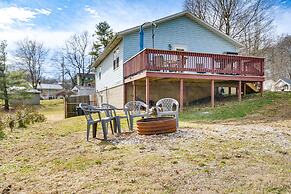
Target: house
49	91
283	84
83	90
177	56
89	79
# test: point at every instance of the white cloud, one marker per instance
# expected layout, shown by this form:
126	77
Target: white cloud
11	15
92	11
19	15
44	11
59	8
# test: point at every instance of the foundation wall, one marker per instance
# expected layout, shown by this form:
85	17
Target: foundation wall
112	96
169	89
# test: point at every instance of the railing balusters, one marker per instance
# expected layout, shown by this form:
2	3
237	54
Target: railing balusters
152	59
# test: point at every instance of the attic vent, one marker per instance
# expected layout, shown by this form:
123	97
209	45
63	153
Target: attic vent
231	53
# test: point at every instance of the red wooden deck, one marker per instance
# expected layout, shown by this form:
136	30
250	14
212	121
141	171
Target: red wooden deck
152	63
190	62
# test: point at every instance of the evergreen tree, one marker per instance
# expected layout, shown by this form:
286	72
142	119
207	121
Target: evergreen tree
12	83
104	35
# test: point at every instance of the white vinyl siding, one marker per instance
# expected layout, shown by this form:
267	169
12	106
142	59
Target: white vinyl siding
110	77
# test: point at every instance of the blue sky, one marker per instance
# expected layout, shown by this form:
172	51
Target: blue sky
54	21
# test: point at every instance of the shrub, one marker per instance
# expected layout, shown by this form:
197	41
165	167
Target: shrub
2	126
11	122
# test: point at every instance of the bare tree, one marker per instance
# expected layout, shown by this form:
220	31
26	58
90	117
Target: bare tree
247	21
77	58
31	56
278	59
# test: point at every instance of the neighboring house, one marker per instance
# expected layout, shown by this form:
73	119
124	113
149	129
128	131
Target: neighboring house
49	91
89	79
269	85
83	90
282	84
189	61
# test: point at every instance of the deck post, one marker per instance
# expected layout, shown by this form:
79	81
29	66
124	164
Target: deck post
229	91
262	88
212	93
133	91
245	89
124	94
181	94
239	91
147	90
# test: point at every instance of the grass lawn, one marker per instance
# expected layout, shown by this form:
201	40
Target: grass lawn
237	147
235	110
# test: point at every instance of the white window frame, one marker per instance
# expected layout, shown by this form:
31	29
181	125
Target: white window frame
180	47
99	73
116	57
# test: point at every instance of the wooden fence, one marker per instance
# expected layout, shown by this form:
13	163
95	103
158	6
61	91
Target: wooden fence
72	102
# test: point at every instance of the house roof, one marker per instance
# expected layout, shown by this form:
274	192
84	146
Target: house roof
83	88
118	37
287	81
49	87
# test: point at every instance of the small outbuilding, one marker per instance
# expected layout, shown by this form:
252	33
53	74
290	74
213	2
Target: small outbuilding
283	84
31	97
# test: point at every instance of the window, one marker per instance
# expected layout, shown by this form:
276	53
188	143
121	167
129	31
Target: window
116	58
99	73
180	47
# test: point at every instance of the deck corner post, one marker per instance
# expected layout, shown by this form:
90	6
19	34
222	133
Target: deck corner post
124	94
147	90
181	95
239	91
262	88
212	93
133	91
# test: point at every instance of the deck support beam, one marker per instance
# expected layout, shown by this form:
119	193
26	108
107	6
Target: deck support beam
181	94
212	93
124	94
262	88
133	91
245	89
147	90
229	91
239	91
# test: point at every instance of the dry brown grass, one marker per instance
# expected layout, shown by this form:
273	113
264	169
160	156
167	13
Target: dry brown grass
232	157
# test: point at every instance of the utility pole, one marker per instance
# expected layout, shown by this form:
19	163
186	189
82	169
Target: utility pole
63	72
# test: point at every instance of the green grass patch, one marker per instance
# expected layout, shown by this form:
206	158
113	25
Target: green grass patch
77	163
233	109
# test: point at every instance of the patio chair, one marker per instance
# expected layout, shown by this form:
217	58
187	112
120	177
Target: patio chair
168	107
136	109
111	112
88	111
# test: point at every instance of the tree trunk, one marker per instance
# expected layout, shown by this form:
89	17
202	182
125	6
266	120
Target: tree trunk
5	93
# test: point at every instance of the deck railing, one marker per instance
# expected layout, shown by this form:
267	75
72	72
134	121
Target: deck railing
188	62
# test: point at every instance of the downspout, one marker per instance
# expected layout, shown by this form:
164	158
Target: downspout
141	37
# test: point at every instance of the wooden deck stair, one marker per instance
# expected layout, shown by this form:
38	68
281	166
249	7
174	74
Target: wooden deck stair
253	87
